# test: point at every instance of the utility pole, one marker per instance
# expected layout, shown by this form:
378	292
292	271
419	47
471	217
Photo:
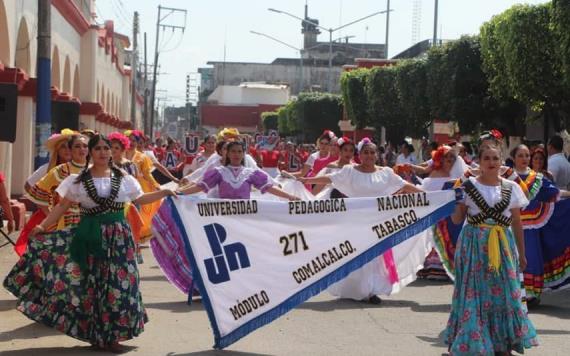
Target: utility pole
435	14
145	109
387	28
134	69
43	108
159	25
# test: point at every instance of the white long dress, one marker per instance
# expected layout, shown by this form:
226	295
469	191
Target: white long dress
409	256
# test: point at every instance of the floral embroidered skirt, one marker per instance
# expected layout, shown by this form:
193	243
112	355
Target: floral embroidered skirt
101	306
487	313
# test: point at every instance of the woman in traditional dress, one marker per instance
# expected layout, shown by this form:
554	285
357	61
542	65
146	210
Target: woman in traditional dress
539	162
542	194
346	147
43	193
398	266
144	168
487	315
84	281
59	153
234	180
323	144
119	145
443	159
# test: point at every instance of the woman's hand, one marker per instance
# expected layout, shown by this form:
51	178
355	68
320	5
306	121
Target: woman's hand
10	225
294	198
168	193
37	230
184	181
302	179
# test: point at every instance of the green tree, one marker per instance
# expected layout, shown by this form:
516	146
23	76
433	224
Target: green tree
385	106
411	84
353	88
519	49
317	112
270	119
309	115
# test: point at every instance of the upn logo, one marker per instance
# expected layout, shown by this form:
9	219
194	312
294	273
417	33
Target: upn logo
226	258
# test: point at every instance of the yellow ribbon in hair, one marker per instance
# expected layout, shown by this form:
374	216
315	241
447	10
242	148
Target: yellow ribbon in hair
228	132
497	236
68	132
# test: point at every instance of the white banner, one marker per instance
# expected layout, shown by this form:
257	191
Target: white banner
254	260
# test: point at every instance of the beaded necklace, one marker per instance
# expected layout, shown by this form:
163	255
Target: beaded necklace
104	205
487	212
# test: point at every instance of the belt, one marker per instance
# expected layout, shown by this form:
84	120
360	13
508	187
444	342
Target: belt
88	239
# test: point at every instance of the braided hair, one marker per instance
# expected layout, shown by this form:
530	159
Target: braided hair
84	175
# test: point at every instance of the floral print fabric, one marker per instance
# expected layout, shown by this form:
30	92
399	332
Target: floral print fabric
102	306
487	314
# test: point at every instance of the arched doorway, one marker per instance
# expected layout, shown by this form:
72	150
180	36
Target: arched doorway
76	82
23	148
55	69
4	36
5	58
66	87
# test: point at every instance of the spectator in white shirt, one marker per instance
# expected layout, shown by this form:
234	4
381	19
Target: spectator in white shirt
558	165
406	154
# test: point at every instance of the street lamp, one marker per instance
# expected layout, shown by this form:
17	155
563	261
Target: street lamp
290	46
330	31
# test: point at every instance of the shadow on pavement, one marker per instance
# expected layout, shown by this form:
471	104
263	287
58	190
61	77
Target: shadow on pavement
420	283
153	279
30	331
7	305
176	307
217	353
552	332
433	341
346	304
551	310
57	351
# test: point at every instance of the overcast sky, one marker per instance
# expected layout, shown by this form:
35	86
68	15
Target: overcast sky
212	23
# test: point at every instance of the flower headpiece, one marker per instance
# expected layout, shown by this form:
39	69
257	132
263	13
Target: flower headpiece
137	134
123	140
365	141
54	140
328	134
227	133
438	155
493	134
344	141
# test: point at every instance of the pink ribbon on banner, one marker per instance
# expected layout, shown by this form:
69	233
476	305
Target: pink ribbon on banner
391	266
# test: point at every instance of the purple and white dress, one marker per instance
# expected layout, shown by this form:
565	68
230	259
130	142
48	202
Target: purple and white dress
235	182
168	247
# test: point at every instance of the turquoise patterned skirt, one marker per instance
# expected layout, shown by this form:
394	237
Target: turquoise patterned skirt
102	305
487	314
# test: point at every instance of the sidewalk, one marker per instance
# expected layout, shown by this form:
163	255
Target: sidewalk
409	323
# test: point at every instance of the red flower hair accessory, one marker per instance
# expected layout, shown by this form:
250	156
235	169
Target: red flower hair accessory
123	140
438	155
343	141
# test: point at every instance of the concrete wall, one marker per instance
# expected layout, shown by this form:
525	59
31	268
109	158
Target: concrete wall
236	73
240	95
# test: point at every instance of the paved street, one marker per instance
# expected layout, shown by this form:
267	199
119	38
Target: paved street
409	323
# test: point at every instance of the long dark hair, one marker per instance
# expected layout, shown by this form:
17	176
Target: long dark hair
229	147
92	143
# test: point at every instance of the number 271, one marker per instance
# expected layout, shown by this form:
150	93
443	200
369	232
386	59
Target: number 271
291	243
